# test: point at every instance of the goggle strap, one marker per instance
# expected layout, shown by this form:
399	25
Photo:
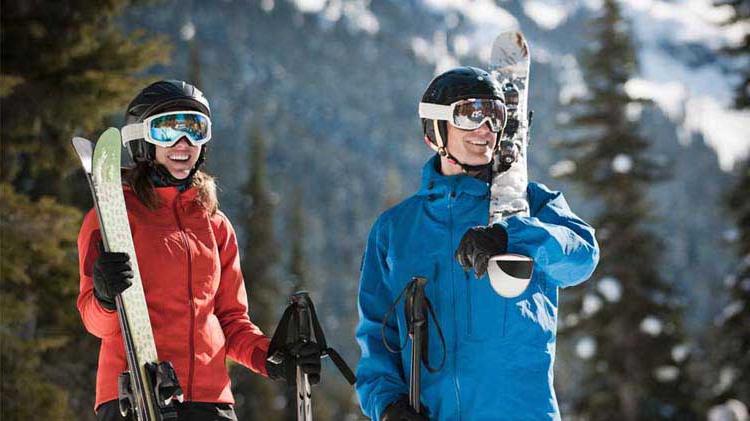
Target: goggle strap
132	132
435	111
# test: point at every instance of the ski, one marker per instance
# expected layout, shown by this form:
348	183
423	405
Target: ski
510	62
149	388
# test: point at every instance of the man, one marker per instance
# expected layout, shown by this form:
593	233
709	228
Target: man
499	351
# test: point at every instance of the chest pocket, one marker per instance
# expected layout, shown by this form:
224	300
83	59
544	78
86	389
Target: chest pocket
527	319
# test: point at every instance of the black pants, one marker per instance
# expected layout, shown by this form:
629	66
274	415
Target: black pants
186	411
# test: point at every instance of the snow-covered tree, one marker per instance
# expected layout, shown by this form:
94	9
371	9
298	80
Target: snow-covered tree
625	323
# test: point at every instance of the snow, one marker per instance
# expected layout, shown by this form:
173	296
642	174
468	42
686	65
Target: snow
187	32
680	352
571	320
591	304
698	98
571	80
267	5
666	373
731	410
357	12
727	377
310	6
610	288
435	52
651	326
622	163
547	14
586	347
481	14
633	111
729	311
562	168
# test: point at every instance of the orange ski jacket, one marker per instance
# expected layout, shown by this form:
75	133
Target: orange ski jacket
190	268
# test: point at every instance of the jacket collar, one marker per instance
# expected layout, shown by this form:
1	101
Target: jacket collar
170	193
167	195
435	183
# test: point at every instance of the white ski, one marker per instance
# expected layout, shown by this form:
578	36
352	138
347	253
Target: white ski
509	63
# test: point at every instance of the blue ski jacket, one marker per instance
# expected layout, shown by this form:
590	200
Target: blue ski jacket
499	352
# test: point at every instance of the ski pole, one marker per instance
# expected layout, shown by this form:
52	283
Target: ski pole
417	322
302	322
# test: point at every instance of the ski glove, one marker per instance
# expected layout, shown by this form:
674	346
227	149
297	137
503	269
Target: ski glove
306	354
113	274
478	245
401	410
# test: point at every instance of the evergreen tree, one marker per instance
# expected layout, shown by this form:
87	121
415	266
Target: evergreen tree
298	267
731	341
740	15
626	321
66	66
260	397
38	240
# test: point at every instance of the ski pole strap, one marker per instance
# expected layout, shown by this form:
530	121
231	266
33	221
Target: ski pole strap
335	356
287	326
408	294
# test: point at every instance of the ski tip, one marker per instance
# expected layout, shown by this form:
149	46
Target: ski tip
110	133
85	150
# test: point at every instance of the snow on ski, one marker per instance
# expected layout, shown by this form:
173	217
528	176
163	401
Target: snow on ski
510	61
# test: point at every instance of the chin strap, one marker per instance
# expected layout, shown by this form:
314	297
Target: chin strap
482	172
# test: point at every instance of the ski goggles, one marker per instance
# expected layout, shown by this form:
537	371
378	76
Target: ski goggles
468	114
166	129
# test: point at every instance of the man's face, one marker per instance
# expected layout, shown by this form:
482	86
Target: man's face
472	147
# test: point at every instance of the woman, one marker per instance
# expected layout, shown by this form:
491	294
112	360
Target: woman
188	260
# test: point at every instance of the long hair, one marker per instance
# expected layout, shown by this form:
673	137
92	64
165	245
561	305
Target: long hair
138	179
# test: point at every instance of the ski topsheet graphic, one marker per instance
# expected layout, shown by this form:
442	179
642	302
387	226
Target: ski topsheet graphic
148	388
509	63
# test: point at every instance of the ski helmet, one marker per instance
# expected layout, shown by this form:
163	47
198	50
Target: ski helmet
159	97
452	86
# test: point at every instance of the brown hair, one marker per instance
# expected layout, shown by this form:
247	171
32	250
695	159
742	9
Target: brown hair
138	179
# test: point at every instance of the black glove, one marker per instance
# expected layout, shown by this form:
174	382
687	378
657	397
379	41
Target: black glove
401	410
306	354
478	245
113	274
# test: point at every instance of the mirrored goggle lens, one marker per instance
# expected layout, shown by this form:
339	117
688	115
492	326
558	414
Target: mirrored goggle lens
471	114
170	128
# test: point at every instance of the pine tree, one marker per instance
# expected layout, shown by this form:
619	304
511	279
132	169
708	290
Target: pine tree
731	341
38	240
66	66
740	15
297	264
626	321
260	257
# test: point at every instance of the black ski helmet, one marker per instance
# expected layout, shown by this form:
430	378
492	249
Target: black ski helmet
451	86
159	97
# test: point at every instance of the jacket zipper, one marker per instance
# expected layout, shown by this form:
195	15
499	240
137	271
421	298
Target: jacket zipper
191	333
470	316
453	303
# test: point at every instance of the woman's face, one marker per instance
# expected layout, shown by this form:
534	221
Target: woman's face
178	159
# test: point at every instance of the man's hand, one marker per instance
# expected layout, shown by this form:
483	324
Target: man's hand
478	245
400	410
